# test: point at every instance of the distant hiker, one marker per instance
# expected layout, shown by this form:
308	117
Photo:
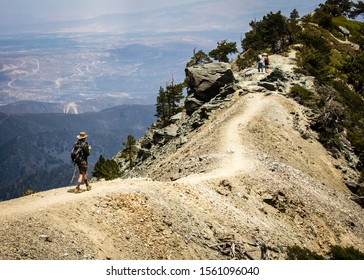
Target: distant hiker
80	152
266	63
260	63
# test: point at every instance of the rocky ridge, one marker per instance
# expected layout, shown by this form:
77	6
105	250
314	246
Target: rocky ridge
238	176
213	88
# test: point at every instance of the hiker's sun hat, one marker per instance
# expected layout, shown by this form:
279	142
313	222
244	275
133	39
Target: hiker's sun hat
82	135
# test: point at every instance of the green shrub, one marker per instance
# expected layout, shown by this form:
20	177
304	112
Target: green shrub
27	192
303	96
106	169
298	253
336	253
329	125
315	54
353	120
345	253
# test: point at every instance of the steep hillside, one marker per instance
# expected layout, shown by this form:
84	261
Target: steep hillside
246	182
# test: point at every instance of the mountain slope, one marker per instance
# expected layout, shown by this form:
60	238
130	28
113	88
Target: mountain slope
252	178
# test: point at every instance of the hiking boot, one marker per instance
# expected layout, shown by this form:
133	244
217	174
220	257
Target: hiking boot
89	187
77	190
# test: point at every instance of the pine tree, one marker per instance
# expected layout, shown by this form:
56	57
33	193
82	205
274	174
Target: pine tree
337	7
198	58
272	32
358	9
129	151
174	95
162	106
168	101
294	29
222	51
106	169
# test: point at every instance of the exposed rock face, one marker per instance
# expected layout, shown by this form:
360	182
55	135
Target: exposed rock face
166	133
205	81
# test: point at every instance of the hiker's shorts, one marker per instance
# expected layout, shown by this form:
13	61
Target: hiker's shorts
82	167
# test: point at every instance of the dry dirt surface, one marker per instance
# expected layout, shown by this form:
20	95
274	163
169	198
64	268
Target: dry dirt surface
251	185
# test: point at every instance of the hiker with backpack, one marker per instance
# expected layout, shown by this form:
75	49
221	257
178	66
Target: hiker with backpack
80	152
266	62
260	63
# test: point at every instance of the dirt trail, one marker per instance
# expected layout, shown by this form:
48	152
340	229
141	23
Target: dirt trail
236	156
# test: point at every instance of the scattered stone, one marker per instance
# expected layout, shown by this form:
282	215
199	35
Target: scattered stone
278	201
45	238
183	140
268	86
224	188
168	223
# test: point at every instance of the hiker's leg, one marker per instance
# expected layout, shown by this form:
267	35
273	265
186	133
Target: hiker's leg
83	173
85	179
79	181
88	186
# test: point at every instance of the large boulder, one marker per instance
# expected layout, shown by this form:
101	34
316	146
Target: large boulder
204	81
344	31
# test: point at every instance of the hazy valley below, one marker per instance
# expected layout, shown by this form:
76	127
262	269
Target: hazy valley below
93	71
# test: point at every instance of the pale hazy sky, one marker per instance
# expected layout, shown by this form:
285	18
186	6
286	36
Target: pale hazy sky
92	8
83	8
15	13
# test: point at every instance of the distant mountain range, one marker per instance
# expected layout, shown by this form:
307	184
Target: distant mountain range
78	107
191	17
35	148
32	107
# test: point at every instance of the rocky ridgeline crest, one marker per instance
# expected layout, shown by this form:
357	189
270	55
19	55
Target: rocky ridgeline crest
210	88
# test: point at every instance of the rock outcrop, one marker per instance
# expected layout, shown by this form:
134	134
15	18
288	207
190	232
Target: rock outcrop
210	88
204	82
